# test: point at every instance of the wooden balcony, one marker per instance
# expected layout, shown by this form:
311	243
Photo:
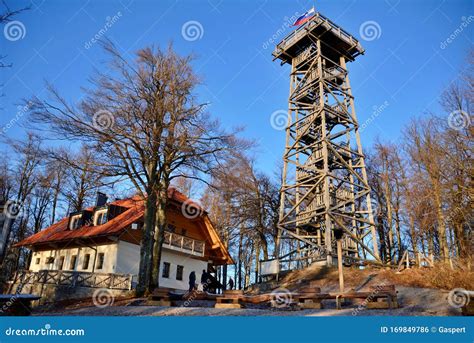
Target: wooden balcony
184	244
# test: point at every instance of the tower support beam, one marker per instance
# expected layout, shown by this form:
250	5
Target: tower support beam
324	181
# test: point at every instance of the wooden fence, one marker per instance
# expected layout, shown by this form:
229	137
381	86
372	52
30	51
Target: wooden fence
75	279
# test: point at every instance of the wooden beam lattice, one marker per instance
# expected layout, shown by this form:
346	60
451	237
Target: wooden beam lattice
324	186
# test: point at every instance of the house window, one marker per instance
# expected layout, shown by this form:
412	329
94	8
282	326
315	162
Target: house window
38	260
50	260
85	263
179	272
72	265
75	222
100	261
166	270
61	263
100	217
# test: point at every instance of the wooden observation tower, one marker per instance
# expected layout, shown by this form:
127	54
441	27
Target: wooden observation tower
325	194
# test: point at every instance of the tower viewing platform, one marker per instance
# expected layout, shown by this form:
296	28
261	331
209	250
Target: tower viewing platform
334	40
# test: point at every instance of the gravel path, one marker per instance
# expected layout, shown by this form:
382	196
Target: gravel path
413	301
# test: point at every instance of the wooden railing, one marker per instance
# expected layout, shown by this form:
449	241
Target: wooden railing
184	244
75	279
317	20
410	258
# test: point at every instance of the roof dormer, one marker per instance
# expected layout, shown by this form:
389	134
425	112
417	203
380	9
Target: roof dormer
75	221
100	216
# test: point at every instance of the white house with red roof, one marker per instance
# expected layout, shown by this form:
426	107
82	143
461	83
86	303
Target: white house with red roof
101	244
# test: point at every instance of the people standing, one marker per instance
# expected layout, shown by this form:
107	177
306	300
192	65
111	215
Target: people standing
231	284
192	281
204	280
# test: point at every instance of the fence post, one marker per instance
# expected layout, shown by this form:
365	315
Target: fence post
73	279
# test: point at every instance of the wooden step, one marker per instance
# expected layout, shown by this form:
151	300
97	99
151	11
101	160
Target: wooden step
309	290
383	288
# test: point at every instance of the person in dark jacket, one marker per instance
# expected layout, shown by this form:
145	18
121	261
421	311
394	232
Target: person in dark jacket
192	281
231	284
204	276
204	280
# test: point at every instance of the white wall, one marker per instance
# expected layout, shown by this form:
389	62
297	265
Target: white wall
128	258
109	251
123	258
190	264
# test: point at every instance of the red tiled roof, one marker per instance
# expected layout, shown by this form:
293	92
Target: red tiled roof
135	209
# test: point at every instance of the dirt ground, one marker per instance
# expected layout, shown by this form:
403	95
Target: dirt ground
413	302
413	299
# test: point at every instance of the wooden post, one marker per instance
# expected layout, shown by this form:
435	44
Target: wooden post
339	265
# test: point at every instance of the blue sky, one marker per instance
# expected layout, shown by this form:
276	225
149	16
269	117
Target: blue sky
406	66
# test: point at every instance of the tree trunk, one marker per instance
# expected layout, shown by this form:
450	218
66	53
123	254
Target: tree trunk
257	259
146	246
388	198
430	243
57	188
399	234
413	236
224	276
443	242
264	244
240	258
158	237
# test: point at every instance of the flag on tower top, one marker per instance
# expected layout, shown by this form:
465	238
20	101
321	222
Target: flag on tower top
305	17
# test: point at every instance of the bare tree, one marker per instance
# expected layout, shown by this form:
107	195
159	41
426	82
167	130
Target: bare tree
244	204
144	123
80	178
